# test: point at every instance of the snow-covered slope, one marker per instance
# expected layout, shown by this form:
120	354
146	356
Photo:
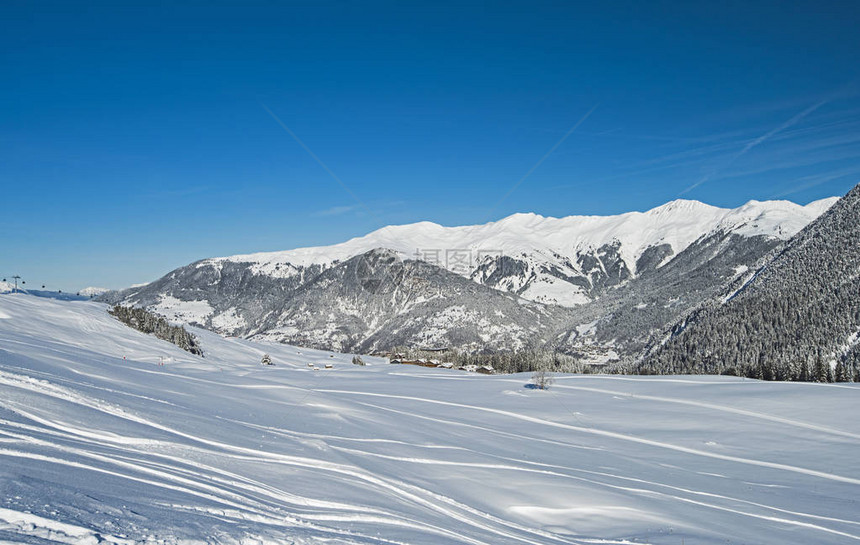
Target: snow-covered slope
93	291
553	242
9	287
677	223
100	444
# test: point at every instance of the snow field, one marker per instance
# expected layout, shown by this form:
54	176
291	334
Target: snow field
99	444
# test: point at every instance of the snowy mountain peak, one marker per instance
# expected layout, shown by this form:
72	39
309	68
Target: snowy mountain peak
520	219
424	284
356	288
677	223
679	206
547	243
93	291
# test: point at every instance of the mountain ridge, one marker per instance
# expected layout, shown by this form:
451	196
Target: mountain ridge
567	244
578	270
796	315
329	253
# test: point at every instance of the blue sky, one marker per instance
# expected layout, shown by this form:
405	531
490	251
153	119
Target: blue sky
136	139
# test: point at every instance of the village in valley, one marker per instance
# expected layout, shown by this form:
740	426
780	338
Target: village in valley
403	359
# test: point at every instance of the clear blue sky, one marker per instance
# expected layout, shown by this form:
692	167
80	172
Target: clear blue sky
137	139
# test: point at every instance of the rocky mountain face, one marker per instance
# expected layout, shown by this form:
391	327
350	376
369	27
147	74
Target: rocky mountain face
377	301
372	301
625	322
575	261
796	315
603	288
562	280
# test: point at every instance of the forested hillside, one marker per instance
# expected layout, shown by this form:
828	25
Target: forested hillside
152	324
797	317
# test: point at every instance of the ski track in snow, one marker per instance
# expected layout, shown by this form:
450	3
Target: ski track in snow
614	435
711	406
221	450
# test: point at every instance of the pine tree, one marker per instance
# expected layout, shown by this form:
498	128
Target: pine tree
819	371
840	375
151	324
805	372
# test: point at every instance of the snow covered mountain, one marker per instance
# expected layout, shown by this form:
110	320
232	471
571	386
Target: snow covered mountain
371	301
563	261
798	309
470	287
377	301
92	291
101	444
9	287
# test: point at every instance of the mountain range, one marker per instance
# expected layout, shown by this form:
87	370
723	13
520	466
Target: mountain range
598	287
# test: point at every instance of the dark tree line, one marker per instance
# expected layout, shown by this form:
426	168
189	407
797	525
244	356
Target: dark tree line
152	324
519	361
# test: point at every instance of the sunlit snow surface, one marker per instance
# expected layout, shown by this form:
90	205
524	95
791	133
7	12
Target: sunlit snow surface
98	448
677	223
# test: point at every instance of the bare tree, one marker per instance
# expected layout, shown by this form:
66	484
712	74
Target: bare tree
541	379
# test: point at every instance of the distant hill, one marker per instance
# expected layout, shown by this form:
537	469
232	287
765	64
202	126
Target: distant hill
93	291
9	288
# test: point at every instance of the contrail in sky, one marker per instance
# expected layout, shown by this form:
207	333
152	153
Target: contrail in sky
758	141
